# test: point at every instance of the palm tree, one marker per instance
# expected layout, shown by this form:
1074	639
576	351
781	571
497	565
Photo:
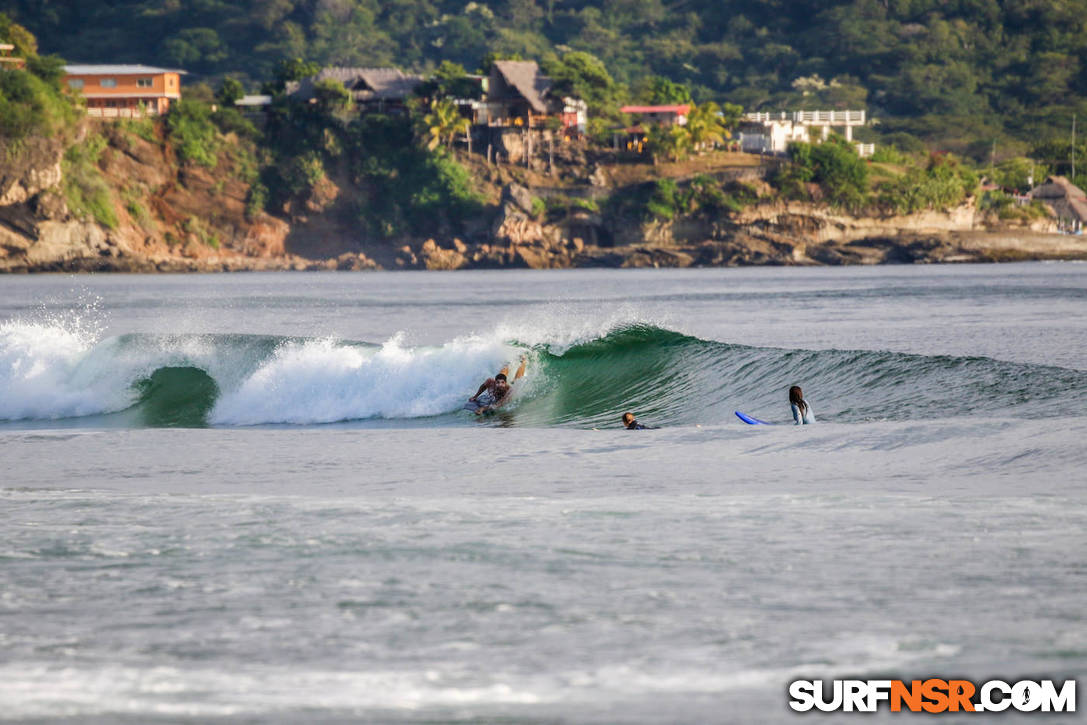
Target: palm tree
705	126
444	122
672	141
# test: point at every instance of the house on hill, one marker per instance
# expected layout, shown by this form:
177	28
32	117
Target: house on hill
518	94
7	61
371	89
664	115
1067	201
124	91
763	132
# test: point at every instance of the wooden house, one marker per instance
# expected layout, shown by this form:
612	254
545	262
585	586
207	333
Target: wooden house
124	91
519	95
371	89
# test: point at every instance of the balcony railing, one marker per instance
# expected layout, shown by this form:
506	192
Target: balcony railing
811	118
120	112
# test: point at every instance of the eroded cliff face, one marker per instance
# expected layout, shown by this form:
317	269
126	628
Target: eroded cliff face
171	216
168	216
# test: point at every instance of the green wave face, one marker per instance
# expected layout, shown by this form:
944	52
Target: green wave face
176	397
673	379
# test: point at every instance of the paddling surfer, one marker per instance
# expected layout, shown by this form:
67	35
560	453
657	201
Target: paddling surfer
631	423
802	412
496	391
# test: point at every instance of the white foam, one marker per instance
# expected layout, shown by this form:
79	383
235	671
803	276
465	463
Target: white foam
59	369
324	381
558	329
38	365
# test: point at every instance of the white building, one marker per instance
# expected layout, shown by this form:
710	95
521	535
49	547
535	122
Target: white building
773	132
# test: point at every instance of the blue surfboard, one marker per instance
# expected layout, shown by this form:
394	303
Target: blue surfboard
749	420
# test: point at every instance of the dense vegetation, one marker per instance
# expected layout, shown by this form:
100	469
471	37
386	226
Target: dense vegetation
957	74
993	82
31	103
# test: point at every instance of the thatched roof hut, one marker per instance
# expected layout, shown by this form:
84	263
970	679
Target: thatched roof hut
365	85
514	81
1067	200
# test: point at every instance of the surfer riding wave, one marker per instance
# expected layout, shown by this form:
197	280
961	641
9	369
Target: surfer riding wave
494	392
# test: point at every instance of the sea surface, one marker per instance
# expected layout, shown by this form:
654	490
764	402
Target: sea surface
255	498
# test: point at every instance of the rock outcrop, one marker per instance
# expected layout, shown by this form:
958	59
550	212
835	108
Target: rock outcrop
169	217
183	217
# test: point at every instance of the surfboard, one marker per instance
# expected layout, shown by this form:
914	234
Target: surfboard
473	406
749	420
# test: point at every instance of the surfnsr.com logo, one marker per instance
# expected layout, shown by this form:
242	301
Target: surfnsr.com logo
932	696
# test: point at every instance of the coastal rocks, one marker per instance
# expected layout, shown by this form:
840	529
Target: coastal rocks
322	196
510	145
435	258
20	190
519	196
265	237
355	262
31	170
599	177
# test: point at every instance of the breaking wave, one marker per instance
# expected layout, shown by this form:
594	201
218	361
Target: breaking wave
48	372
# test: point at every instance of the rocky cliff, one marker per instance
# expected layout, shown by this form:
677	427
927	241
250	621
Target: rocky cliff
159	214
164	215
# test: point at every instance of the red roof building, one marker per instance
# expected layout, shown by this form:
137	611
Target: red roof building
664	115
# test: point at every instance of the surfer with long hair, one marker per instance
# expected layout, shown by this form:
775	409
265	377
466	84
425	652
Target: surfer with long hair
631	423
802	412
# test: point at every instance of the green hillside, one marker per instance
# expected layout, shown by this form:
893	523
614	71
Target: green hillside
958	74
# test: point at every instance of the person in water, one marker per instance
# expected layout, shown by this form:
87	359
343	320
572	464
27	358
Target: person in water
631	423
496	391
802	412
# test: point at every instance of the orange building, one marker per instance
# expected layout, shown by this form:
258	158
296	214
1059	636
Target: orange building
121	91
6	61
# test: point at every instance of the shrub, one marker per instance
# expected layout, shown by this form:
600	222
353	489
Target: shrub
142	127
193	134
31	106
834	165
943	183
663	203
256	200
84	188
888	155
230	120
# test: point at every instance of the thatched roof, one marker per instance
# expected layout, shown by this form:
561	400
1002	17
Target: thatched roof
1057	187
1066	199
364	84
524	77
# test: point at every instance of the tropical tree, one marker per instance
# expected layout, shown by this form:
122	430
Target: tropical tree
731	116
230	92
443	123
705	127
672	142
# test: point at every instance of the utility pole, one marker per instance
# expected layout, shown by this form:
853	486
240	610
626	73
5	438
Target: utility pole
1073	148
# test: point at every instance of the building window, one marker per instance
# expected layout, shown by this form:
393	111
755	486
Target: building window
144	82
75	83
108	82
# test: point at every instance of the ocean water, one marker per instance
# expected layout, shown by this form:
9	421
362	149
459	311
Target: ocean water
255	498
